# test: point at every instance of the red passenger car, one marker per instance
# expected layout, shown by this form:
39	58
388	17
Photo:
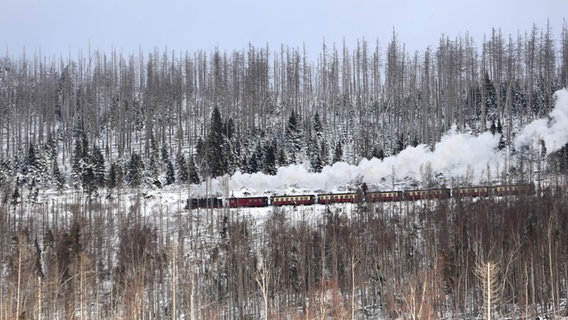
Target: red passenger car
427	194
337	198
383	196
248	202
470	192
526	189
293	200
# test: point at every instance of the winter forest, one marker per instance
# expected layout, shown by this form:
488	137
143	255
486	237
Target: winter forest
99	153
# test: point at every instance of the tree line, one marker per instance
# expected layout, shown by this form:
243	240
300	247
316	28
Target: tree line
257	109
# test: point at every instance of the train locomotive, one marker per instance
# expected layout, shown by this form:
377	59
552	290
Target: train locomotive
361	196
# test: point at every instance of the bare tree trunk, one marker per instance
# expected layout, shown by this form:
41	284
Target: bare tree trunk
487	274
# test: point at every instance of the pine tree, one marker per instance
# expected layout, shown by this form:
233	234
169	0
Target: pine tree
282	162
502	143
543	151
115	177
88	179
170	173
111	181
98	166
337	153
154	159
254	161
181	164
30	168
192	170
399	144
318	128
269	166
200	150
134	171
51	148
315	156
58	179
415	142
216	146
493	128
294	136
16	194
165	153
81	160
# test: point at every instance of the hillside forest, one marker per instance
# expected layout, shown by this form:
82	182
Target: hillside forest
84	140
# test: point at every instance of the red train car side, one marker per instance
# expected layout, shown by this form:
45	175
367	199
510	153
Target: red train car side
470	192
293	200
338	198
427	194
384	196
518	189
248	202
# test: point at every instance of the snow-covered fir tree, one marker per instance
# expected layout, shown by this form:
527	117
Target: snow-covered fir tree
181	166
134	171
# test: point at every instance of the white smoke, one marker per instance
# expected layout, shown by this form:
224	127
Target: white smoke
553	130
457	155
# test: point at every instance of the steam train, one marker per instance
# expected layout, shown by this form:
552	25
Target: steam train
361	196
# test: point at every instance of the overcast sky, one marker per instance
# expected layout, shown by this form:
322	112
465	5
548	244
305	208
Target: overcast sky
62	27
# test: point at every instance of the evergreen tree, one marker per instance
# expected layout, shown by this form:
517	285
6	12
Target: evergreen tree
499	127
269	165
181	164
134	171
81	159
282	158
315	155
324	153
115	177
58	179
170	173
543	151
337	153
254	161
399	144
154	159
216	146
51	148
381	154
111	181
165	153
88	178
153	168
294	136
415	142
502	143
30	170
16	194
490	93
318	128
493	128
192	170
200	150
98	166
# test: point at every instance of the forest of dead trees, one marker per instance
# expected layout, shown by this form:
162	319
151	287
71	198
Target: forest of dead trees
255	109
115	260
121	123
